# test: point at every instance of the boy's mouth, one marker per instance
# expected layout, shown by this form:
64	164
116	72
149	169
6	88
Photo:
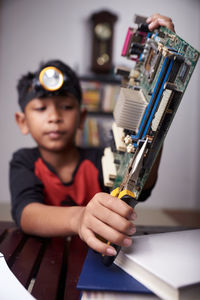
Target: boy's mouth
55	134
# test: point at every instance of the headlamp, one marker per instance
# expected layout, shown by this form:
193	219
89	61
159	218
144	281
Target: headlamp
51	78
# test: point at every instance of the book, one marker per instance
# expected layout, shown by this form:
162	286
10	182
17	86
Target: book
166	263
97	280
10	287
100	295
93	134
91	95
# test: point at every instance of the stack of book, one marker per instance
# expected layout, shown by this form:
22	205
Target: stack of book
91	95
100	282
156	266
96	132
99	96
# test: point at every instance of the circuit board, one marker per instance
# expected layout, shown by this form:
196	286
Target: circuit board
149	97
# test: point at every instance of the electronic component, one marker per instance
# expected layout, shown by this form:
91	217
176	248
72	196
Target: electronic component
109	167
118	134
147	103
149	97
130	108
185	68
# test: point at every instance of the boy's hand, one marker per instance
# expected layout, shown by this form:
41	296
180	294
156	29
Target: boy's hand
110	218
157	20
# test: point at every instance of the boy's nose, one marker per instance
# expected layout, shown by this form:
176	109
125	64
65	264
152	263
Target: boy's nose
54	115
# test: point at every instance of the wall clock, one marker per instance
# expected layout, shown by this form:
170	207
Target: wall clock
102	41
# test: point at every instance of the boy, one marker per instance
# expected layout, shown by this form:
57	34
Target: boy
56	187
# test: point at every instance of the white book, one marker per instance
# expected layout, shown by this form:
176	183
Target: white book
10	287
166	263
99	295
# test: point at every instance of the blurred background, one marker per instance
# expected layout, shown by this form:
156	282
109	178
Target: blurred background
35	31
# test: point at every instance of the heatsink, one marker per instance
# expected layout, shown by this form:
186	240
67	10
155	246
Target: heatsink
130	108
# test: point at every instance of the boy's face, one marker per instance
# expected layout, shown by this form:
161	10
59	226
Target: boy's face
52	121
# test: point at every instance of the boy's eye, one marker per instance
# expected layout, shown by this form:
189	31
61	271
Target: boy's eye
66	106
40	108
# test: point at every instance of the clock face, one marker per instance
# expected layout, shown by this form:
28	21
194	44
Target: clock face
103	31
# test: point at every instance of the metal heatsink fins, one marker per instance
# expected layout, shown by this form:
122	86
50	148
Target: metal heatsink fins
130	108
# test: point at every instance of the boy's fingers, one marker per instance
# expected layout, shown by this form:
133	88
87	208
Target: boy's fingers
157	20
114	220
157	16
109	233
167	23
99	246
110	218
161	22
116	205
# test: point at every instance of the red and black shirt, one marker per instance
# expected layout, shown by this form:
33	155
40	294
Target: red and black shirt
34	180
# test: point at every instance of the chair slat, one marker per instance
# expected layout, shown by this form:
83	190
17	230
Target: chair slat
47	280
12	240
26	260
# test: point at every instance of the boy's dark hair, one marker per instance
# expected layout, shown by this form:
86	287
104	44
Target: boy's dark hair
28	89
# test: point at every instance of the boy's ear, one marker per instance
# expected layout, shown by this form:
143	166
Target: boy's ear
21	122
82	118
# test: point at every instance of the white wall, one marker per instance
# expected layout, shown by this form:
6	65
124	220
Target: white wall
31	31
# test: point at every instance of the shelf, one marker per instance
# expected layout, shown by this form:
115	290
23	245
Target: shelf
101	78
100	93
100	113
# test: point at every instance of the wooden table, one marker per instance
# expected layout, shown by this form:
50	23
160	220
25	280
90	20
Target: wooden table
49	268
46	267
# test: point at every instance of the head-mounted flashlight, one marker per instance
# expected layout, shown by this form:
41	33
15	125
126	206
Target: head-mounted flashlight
51	78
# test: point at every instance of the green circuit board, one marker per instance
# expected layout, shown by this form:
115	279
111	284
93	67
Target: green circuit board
172	44
151	92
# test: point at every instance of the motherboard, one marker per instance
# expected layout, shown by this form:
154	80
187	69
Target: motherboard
149	97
